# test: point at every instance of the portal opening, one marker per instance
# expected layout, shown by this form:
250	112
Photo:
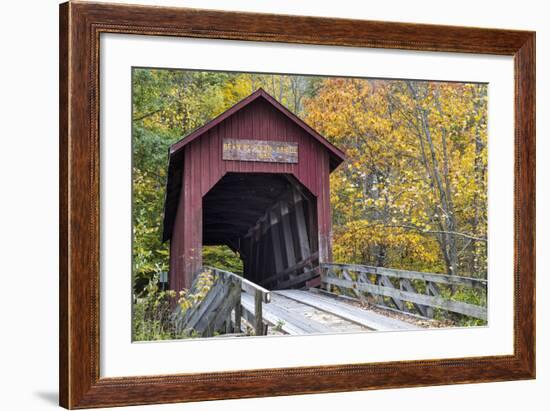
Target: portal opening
270	221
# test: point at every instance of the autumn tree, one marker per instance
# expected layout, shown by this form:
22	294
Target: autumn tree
412	193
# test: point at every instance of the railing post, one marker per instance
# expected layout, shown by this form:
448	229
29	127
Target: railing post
238	315
258	315
380	298
322	276
432	290
228	325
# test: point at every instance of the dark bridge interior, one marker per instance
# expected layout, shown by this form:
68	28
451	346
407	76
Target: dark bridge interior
270	220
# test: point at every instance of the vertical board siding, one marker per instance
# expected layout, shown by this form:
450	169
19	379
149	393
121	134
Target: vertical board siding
204	167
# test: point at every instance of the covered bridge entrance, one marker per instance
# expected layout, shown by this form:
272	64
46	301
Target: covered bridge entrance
256	179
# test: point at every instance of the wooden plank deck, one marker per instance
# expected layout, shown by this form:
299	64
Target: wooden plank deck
349	312
298	312
294	318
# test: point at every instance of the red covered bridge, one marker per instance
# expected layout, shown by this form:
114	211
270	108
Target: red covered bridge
256	179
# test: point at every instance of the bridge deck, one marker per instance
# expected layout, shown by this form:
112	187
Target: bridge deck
299	312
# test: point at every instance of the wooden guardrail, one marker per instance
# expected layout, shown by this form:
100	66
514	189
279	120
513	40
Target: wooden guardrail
221	311
398	286
260	294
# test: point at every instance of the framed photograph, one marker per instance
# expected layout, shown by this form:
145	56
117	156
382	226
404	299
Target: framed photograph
259	205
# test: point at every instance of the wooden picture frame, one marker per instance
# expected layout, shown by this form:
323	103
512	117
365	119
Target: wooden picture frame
80	27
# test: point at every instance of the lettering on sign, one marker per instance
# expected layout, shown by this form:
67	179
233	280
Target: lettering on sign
260	150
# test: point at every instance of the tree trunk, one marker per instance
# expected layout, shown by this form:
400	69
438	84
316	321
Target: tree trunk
441	183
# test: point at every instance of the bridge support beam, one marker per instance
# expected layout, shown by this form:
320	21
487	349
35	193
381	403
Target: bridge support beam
283	240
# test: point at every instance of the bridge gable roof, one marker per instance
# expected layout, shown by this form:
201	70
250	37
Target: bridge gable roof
337	156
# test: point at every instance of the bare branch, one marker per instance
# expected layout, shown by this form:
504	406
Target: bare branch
444	232
144	116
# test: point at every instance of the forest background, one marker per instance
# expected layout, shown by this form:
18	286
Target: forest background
412	193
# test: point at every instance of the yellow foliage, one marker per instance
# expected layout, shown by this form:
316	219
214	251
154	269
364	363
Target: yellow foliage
415	169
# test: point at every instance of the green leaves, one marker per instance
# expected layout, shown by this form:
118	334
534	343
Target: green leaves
222	257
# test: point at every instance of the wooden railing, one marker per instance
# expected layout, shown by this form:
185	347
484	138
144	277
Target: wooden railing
221	311
401	287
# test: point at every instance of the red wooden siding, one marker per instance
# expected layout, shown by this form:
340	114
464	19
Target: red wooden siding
203	167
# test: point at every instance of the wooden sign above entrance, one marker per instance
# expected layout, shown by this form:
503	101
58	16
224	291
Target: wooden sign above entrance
260	150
